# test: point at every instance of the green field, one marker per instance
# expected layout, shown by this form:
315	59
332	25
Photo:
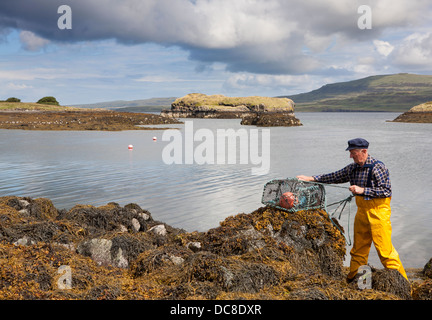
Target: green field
31	106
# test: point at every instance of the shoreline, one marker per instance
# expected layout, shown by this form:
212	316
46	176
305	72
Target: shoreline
414	117
81	120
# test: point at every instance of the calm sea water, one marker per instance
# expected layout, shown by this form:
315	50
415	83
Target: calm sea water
96	168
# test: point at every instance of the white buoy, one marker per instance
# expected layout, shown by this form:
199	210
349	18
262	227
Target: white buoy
130	147
154	138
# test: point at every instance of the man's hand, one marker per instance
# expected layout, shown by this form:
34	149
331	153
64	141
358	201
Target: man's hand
305	178
356	189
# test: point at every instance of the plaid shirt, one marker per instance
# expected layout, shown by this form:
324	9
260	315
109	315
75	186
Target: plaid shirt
358	175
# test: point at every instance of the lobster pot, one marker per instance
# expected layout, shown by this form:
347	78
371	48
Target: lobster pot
294	195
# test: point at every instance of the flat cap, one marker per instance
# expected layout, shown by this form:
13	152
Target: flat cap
357	143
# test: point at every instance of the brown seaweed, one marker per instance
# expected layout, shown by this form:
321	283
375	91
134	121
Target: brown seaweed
116	253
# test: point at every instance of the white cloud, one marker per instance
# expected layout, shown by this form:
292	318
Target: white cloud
161	79
263	47
383	47
155	79
66	72
415	52
400	13
255	36
32	42
14	86
273	84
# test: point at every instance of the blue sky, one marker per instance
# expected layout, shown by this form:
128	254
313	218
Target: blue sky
138	49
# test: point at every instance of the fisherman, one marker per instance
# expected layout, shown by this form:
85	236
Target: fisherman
370	183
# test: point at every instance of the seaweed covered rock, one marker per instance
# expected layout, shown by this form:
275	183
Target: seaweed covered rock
115	252
308	238
271	120
422	290
156	259
110	234
427	270
25	220
391	281
111	217
232	275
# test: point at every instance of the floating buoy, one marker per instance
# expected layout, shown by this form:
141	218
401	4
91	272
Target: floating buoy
130	147
288	200
154	138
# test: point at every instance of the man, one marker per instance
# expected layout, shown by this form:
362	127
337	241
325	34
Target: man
370	183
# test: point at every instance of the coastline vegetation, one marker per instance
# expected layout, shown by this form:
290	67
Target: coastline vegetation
421	113
48	100
34	106
218	101
424	107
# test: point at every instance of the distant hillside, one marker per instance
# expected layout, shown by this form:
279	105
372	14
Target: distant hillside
144	105
391	93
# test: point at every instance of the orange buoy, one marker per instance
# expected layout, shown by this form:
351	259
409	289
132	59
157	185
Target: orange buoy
154	138
130	147
288	200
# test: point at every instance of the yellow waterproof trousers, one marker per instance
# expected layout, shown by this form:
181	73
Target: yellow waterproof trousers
372	224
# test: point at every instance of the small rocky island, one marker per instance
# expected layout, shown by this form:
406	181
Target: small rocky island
34	116
260	111
421	113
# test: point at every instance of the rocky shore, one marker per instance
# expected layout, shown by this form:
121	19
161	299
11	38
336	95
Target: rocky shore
80	120
421	113
252	110
262	119
115	252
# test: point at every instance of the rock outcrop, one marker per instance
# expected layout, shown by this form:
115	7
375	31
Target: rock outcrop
80	120
421	113
114	252
198	105
262	119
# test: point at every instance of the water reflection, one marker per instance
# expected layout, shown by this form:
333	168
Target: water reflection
97	167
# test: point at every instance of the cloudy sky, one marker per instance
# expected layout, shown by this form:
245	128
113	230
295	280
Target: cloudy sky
138	49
